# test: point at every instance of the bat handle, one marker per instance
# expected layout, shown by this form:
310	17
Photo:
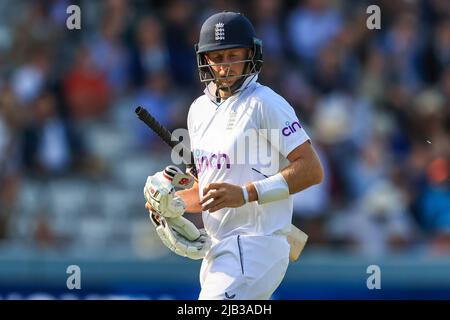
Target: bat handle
151	122
165	135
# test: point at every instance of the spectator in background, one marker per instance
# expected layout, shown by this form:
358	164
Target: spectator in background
47	149
33	30
267	15
444	85
333	71
9	192
109	54
376	224
372	83
436	54
85	88
151	54
311	25
268	26
435	11
3	66
343	124
403	44
29	79
426	117
430	118
11	121
180	35
435	204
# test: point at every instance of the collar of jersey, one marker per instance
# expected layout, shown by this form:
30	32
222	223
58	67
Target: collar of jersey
250	81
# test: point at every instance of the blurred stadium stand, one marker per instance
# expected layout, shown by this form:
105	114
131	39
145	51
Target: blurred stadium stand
74	158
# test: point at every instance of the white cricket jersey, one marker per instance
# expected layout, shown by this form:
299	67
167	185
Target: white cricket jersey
217	133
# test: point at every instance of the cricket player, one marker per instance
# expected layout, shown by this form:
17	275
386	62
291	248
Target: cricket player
246	204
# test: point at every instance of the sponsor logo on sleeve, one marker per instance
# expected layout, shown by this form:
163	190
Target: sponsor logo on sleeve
290	128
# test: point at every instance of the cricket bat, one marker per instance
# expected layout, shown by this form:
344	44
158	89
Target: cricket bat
296	237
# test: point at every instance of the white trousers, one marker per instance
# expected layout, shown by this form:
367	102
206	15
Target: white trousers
244	268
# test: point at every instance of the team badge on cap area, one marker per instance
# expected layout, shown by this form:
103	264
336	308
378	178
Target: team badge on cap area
220	31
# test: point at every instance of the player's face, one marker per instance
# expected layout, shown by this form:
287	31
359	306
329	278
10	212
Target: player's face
226	65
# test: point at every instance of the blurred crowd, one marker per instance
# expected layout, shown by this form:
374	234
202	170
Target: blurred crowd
376	103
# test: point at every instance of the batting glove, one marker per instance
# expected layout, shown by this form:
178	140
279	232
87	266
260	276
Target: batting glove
181	236
159	191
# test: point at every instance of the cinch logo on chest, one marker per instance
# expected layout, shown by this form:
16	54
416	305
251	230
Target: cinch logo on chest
213	161
290	128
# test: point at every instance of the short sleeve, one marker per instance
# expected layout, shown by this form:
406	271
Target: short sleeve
284	130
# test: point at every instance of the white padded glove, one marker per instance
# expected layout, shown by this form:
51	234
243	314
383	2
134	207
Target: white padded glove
181	236
159	191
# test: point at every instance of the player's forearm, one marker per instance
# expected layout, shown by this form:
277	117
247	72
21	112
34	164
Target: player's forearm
304	169
302	174
191	199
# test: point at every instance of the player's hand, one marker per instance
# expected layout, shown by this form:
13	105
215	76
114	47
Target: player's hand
223	195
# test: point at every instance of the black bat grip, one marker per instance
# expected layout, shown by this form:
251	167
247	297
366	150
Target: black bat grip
148	119
165	135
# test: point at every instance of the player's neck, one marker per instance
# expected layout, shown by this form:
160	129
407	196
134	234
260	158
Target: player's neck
224	94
